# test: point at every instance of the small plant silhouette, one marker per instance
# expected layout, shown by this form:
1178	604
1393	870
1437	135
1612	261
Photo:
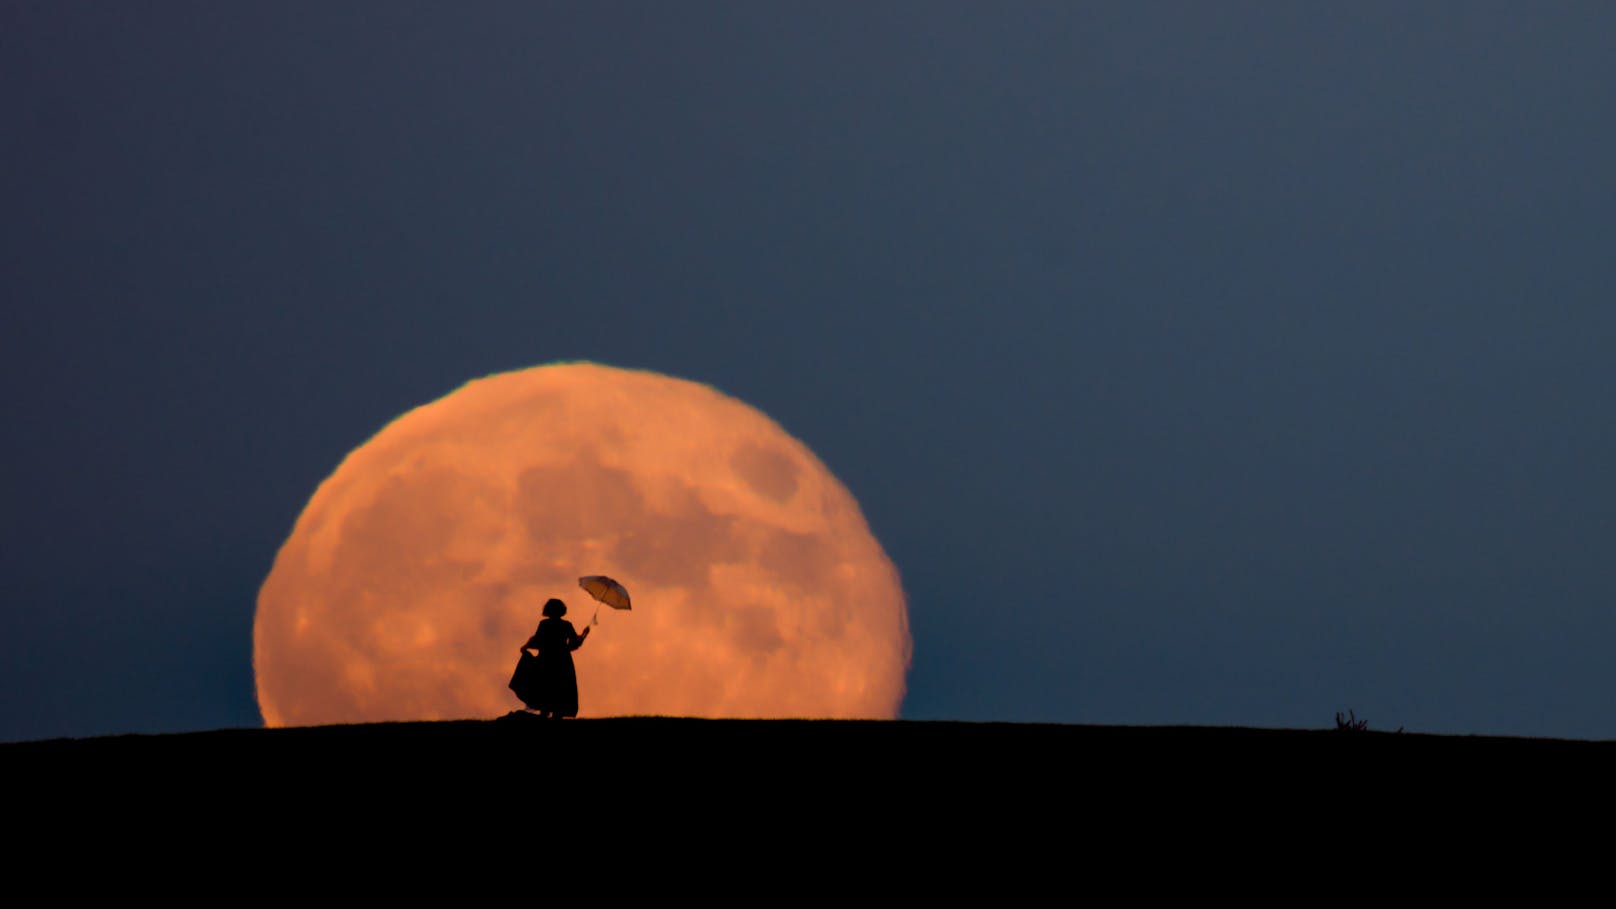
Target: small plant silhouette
1350	722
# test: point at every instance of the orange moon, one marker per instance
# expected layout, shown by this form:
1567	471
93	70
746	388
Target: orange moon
419	567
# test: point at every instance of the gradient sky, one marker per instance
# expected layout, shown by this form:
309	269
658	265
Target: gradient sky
1228	363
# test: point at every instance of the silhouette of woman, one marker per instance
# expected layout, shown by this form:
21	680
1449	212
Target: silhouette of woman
554	692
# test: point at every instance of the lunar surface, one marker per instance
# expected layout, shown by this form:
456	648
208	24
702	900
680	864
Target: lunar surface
419	567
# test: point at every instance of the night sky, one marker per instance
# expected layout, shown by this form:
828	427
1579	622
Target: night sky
1195	363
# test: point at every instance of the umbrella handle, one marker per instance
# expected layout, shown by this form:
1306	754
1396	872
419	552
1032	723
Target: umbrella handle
596	619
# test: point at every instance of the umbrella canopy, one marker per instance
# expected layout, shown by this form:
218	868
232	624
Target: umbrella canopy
606	590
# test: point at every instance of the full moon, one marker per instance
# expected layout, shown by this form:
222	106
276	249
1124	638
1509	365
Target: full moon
418	568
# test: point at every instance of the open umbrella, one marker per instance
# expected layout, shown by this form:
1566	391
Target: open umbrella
607	591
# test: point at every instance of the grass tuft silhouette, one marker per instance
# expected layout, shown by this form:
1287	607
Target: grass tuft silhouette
1350	722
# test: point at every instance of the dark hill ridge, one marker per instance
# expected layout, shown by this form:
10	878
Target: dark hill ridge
666	782
592	737
738	749
522	727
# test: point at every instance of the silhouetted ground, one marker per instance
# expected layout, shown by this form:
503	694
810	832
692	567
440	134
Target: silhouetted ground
643	751
665	787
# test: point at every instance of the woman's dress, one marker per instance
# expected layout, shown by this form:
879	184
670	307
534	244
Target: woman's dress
554	688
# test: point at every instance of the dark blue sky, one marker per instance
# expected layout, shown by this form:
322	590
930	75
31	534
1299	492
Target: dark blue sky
1195	363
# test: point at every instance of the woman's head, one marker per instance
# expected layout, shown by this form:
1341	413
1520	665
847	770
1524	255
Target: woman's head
554	609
